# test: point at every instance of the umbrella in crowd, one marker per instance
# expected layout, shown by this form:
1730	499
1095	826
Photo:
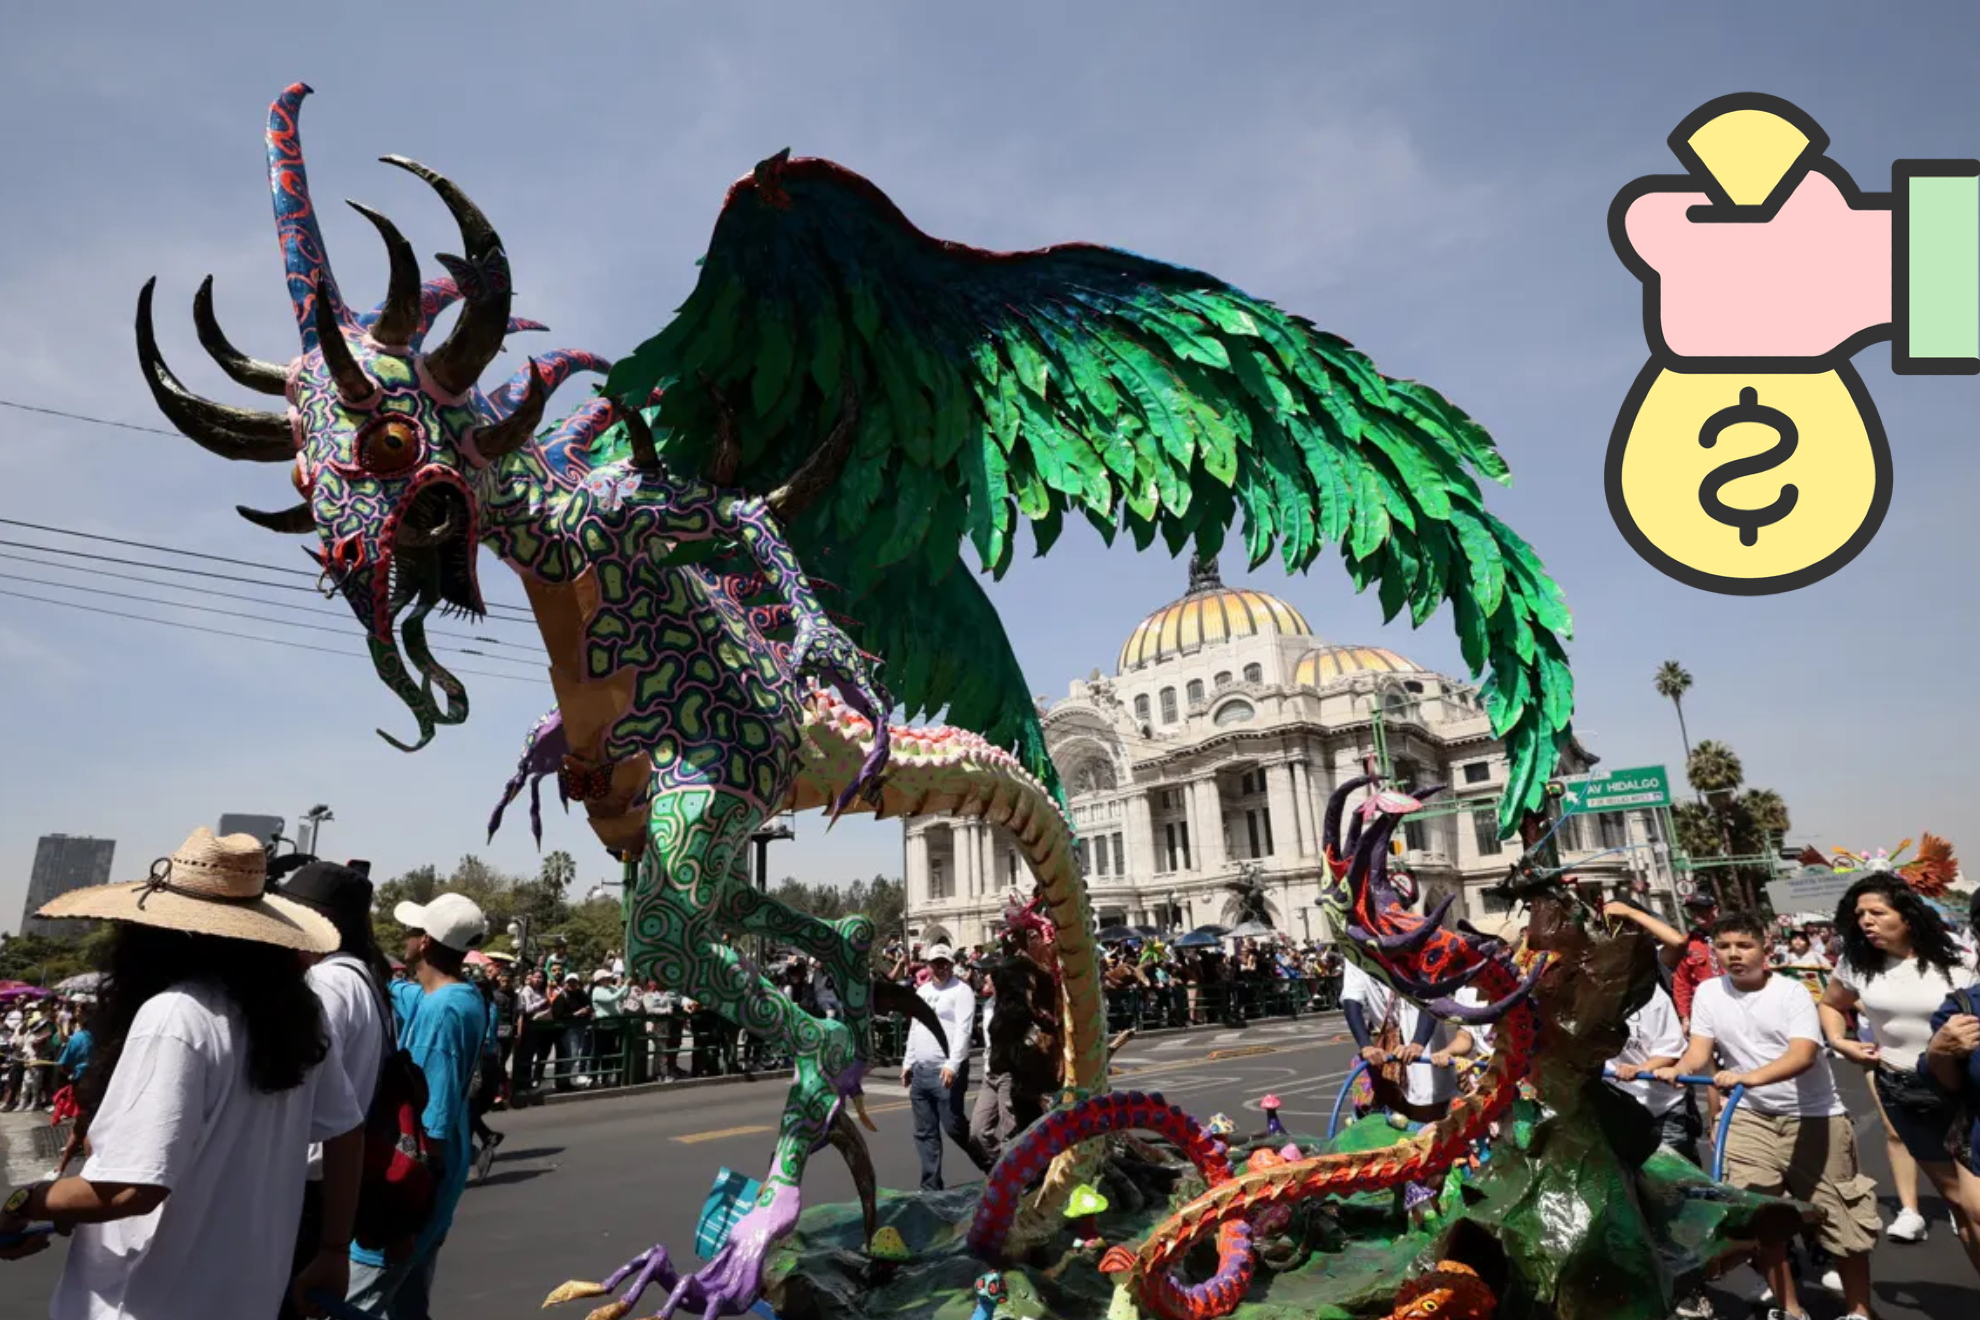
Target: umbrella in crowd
1115	934
1251	930
1205	937
84	983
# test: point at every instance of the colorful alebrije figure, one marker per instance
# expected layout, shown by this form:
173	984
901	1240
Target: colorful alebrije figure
840	395
1083	1212
990	1294
1930	873
1270	1106
1417	958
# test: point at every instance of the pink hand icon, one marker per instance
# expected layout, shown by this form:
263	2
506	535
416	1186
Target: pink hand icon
1799	285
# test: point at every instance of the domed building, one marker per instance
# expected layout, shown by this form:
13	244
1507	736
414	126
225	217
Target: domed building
1206	761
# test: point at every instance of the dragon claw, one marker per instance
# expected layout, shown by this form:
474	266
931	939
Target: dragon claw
572	1291
610	1311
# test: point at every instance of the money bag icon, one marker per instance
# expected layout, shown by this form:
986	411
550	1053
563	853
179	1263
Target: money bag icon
1748	458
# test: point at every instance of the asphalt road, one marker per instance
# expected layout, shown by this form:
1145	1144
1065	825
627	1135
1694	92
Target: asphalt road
579	1188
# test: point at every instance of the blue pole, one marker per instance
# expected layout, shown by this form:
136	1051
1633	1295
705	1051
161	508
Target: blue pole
1737	1094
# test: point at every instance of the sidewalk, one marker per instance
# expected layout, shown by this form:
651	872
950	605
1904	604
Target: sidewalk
19	1162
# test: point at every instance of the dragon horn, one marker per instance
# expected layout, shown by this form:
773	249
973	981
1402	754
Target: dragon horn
398	318
846	1138
484	282
891	998
646	456
816	475
296	519
303	252
238	433
519	427
353	386
262	377
1330	828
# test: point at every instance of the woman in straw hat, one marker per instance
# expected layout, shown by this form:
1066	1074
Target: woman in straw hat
206	1092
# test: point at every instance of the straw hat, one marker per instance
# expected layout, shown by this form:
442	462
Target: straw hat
210	886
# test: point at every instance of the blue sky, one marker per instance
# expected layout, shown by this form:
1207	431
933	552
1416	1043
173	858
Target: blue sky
1430	181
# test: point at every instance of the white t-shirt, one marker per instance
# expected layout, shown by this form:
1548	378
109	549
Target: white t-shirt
1654	1033
1753	1028
355	1019
1482	1037
180	1113
1899	1002
1427	1084
955	1006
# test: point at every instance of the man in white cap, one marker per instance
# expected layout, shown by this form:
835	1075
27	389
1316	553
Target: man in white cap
937	1078
442	1021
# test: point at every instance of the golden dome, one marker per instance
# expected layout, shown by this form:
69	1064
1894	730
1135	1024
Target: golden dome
1330	664
1211	612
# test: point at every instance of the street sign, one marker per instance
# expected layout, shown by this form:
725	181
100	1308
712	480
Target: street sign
1686	888
1618	790
1816	891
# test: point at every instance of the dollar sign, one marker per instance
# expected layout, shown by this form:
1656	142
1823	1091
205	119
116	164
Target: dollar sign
1749	521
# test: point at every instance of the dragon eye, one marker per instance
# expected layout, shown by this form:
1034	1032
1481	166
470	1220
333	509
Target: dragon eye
388	447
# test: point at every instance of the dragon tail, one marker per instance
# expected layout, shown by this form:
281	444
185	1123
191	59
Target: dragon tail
941	769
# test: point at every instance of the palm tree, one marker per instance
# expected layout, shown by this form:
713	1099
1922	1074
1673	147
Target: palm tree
1767	810
1714	770
1673	681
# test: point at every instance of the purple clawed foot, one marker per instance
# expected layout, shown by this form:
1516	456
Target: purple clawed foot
731	1282
647	1269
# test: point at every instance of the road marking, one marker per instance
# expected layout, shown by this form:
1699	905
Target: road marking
1242	1052
693	1137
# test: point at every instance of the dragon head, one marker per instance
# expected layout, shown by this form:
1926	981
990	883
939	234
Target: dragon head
391	446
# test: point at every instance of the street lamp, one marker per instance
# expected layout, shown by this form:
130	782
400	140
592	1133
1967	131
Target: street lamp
315	818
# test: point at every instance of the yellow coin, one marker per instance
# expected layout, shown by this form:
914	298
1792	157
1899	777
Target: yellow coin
1748	484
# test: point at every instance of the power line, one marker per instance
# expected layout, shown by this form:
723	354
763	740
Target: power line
245	637
147	545
216	594
81	417
190	554
240	614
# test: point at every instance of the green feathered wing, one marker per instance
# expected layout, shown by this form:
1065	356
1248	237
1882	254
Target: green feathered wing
999	388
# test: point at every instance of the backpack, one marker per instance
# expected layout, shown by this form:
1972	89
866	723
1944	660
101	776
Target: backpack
399	1186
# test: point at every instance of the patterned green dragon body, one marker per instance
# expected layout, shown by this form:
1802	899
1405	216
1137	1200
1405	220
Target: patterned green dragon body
765	505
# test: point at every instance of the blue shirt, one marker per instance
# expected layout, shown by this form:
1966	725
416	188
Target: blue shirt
1947	1011
442	1031
75	1054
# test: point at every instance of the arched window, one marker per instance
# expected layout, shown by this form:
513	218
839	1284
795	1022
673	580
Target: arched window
1195	690
1232	712
1223	679
1168	705
1141	708
1254	673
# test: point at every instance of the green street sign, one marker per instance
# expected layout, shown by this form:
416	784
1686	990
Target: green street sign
1618	790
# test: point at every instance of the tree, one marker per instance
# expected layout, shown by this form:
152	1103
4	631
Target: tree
885	900
558	873
1673	681
1714	769
593	932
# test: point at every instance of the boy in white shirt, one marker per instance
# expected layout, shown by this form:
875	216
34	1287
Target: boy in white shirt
1791	1134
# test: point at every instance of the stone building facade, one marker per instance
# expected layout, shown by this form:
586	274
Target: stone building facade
1208	758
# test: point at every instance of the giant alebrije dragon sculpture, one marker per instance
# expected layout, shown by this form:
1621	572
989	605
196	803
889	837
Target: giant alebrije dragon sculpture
774	491
1416	956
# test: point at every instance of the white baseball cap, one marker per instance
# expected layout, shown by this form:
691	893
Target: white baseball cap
454	920
940	953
